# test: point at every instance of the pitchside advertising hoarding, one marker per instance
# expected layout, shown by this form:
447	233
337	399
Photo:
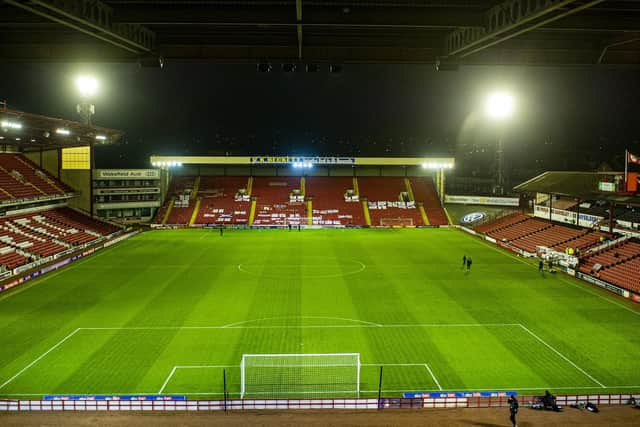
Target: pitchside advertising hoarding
482	200
431	395
121	397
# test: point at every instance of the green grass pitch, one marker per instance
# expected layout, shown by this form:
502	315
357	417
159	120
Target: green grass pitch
167	311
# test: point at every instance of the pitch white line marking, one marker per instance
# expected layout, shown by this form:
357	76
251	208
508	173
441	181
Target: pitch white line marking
433	376
300	317
58	344
173	371
205	366
550	347
583	288
374	325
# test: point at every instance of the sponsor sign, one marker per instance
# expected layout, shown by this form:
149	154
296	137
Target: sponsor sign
482	200
565	216
432	395
472	217
123	397
126	174
293	159
601	283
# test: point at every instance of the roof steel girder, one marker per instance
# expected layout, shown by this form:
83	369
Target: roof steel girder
510	19
93	18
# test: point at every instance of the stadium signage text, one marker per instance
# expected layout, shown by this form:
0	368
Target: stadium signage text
127	174
123	397
565	216
472	217
292	159
426	394
481	200
603	284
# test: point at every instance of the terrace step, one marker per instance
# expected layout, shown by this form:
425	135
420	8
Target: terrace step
196	187
423	214
252	212
407	184
365	211
309	212
168	212
194	214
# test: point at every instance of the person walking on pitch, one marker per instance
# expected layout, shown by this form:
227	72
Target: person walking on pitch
464	260
469	262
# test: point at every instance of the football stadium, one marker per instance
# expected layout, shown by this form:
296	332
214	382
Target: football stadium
389	284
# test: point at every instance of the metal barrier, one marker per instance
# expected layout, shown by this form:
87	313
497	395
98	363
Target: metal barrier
269	404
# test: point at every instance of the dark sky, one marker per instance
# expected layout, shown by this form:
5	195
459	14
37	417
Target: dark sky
567	118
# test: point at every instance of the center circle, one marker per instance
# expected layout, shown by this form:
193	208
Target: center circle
307	268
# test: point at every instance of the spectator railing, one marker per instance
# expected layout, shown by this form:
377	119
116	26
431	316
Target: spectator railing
274	404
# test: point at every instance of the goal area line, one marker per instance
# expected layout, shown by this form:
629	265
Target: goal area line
177	367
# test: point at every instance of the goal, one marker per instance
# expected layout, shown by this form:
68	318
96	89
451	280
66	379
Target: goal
296	375
396	222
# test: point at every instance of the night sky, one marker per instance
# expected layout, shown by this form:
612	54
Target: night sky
567	118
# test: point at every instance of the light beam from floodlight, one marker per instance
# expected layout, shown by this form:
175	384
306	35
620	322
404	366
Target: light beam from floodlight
500	105
87	86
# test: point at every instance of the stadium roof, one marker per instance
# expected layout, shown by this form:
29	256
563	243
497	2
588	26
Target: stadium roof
580	185
34	132
566	32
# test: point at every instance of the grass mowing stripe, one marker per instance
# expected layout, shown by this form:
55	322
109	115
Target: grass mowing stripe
59	343
563	356
575	285
404	307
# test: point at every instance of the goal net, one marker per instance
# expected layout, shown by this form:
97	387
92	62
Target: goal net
296	375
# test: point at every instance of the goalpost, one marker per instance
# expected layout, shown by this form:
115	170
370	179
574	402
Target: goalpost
295	375
396	222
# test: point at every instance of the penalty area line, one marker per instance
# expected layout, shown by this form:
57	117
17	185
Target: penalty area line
166	381
433	376
565	358
58	344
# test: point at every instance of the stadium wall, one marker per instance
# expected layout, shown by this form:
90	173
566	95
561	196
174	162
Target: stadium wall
47	160
77	179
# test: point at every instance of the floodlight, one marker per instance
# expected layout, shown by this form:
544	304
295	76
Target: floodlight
499	105
6	124
87	86
101	137
62	131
